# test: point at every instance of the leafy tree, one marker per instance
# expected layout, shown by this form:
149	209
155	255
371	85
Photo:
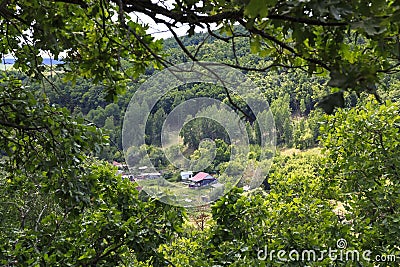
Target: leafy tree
282	116
208	125
59	206
306	130
154	127
362	148
302	135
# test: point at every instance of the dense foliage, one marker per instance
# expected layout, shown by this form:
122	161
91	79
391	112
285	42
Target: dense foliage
335	178
362	160
315	200
59	205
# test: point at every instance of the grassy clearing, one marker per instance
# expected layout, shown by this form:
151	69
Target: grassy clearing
295	151
179	193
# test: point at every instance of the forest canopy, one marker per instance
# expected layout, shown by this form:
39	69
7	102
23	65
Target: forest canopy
353	42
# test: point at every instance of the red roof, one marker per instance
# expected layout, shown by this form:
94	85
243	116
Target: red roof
200	176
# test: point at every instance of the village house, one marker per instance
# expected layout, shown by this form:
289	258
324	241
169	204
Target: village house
123	170
121	167
201	179
149	175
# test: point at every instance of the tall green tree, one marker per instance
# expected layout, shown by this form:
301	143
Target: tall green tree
282	116
362	149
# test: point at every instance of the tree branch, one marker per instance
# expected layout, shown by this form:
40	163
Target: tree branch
181	45
284	46
20	127
80	3
306	21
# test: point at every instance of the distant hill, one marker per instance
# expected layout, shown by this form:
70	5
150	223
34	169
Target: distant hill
46	61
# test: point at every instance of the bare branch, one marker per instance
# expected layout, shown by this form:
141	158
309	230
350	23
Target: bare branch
234	47
201	45
181	45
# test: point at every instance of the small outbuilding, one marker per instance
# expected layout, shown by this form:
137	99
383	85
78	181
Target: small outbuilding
186	175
